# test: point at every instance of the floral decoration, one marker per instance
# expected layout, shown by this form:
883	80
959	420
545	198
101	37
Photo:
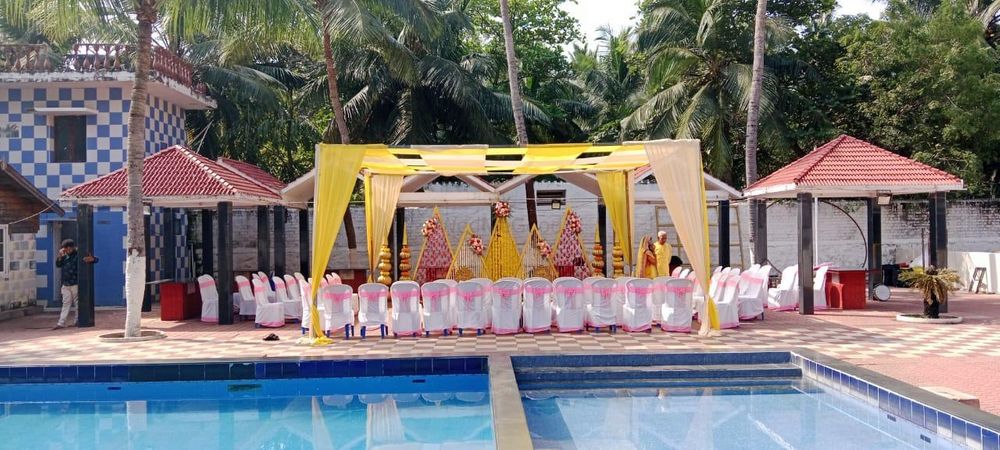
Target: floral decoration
501	209
429	226
476	243
544	249
573	223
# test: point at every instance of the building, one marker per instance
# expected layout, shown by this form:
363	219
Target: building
64	120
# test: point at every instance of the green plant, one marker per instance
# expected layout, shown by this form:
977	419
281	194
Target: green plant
934	284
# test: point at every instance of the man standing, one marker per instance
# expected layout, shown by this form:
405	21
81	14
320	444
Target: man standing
68	264
663	253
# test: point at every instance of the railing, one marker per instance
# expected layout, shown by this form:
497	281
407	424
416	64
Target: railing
35	58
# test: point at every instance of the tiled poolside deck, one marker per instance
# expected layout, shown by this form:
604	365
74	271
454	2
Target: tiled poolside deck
963	357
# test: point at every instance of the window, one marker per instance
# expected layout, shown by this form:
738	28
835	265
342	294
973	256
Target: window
3	248
548	197
70	135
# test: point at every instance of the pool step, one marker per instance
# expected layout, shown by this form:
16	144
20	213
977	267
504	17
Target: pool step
658	372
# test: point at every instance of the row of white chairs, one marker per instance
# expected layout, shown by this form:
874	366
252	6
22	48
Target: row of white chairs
786	296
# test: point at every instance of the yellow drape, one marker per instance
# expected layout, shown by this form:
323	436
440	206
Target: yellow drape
615	191
381	196
336	169
678	171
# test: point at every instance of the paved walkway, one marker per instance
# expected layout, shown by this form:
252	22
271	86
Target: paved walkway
963	357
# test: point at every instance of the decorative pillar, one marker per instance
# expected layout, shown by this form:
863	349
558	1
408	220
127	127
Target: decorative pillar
263	240
618	260
805	253
305	241
279	241
385	266
85	247
225	280
404	260
874	245
207	243
760	244
169	253
723	223
598	253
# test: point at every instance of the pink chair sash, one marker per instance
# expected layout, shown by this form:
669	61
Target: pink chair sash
569	290
435	295
406	295
538	290
206	284
642	290
679	290
605	292
341	296
370	295
506	292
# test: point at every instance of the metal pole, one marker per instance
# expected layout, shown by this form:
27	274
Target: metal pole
806	254
85	247
225	280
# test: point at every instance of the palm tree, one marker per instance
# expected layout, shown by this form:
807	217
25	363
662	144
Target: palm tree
695	88
753	109
179	18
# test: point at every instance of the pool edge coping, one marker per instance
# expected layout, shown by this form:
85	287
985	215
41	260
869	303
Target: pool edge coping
510	424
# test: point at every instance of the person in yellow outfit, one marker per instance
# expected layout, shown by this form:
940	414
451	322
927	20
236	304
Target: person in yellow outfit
663	252
646	263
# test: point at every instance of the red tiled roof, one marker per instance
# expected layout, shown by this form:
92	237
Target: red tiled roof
850	164
254	173
178	172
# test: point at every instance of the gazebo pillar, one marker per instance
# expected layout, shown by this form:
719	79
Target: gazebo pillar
938	248
602	231
263	240
723	224
874	245
147	296
207	244
760	226
279	241
398	229
806	253
305	243
225	280
85	247
169	255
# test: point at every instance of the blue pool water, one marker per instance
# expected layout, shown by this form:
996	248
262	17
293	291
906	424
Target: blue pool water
802	415
449	411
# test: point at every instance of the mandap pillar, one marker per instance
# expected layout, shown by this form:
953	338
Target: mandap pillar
806	262
85	247
225	280
723	224
305	243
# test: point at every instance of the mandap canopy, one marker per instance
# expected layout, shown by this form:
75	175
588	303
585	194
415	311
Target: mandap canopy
676	164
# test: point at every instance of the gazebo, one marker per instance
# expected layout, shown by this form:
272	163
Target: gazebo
847	167
177	177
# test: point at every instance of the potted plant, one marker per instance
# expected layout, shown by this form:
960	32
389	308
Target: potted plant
934	284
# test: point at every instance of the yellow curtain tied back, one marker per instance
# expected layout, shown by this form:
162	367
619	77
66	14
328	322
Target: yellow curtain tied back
616	192
381	197
334	165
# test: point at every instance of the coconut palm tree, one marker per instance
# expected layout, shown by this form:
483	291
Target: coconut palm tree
177	18
753	108
516	103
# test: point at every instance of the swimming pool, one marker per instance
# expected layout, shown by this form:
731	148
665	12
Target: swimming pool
325	409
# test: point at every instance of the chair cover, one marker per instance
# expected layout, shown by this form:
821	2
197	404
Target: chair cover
305	290
537	310
676	273
405	307
335	306
659	297
726	302
293	307
588	293
209	299
569	304
247	301
601	313
785	297
269	314
452	300
487	285
819	288
435	311
507	307
751	302
619	299
471	311
678	306
638	307
292	285
372	298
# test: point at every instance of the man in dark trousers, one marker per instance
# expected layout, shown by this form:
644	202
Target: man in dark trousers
68	263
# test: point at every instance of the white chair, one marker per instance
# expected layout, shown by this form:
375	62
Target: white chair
335	309
677	306
305	291
819	288
676	273
659	297
452	300
487	285
601	313
270	315
751	302
725	305
588	294
372	298
506	295
471	311
267	285
334	278
436	307
785	297
569	304
293	307
209	299
619	299
685	272
292	285
405	308
247	301
537	310
638	307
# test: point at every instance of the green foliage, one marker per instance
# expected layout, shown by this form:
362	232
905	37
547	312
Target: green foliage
933	283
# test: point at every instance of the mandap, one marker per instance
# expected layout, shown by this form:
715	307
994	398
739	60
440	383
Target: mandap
676	165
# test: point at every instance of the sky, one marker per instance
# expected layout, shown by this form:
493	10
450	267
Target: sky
619	13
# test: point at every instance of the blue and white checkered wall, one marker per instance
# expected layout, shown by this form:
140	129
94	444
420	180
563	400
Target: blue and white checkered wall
107	132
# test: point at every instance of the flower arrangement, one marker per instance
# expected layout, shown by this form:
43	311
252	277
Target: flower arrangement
476	243
573	223
544	249
429	226
501	209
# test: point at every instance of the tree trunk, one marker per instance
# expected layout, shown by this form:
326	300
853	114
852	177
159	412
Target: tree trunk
932	308
513	76
339	118
753	108
135	262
